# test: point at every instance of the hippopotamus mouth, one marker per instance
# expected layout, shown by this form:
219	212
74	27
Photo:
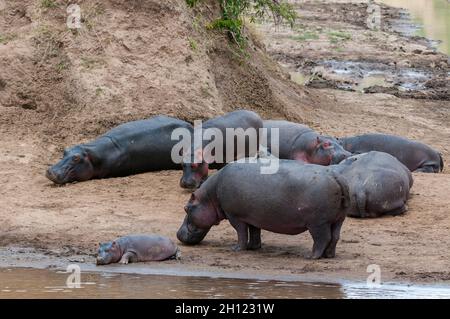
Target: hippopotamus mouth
339	157
191	235
57	178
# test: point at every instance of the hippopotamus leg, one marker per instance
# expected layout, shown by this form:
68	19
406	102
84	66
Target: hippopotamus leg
129	257
330	252
242	230
322	237
255	238
427	169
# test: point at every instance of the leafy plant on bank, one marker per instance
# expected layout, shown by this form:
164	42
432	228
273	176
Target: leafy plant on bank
234	11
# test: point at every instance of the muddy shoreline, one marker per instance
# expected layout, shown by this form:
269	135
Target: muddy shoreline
332	47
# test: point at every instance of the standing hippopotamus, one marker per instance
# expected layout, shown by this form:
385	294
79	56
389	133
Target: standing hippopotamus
417	156
195	172
379	184
297	198
301	143
130	148
136	248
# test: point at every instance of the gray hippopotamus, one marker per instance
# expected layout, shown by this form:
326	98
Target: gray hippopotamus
379	184
301	143
137	248
417	156
297	198
195	172
130	148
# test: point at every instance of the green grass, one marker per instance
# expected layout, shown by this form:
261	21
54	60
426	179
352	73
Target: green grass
193	44
61	66
99	91
305	36
91	63
6	38
48	4
339	36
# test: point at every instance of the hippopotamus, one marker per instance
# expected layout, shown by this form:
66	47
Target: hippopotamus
379	184
301	143
418	157
195	172
137	248
297	198
130	148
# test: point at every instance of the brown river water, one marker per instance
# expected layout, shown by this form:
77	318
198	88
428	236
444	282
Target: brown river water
37	283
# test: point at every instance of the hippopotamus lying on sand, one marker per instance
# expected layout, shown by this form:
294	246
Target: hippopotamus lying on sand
130	148
379	184
137	248
196	171
418	157
301	143
297	198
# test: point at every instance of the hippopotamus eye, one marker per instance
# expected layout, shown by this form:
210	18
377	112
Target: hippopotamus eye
76	158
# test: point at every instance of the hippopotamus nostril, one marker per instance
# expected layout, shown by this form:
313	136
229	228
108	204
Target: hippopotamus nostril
51	175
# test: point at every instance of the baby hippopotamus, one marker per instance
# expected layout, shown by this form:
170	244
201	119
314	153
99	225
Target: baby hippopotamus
379	184
299	197
137	248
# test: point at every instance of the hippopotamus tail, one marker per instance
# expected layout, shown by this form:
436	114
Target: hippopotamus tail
441	162
345	191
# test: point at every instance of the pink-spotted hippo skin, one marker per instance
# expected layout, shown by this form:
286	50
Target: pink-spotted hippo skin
418	157
137	248
379	184
301	143
130	148
299	197
195	172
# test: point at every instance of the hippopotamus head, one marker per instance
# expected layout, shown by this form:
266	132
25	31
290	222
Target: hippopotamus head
108	253
195	170
323	150
201	214
76	166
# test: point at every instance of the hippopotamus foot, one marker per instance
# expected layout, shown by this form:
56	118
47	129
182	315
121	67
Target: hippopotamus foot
255	238
322	237
128	257
330	252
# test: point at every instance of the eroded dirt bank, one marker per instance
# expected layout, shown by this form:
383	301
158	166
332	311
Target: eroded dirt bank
139	60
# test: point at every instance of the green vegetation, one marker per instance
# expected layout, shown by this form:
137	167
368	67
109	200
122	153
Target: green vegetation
61	66
99	91
191	3
306	36
48	4
234	11
193	44
338	36
91	63
6	38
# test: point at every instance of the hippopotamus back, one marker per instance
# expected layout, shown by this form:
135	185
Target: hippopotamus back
415	155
